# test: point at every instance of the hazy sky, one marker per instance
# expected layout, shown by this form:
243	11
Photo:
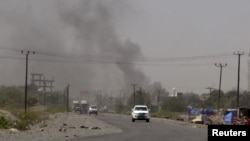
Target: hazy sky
106	45
173	29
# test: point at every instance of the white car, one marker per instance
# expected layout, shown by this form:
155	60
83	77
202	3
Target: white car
140	112
93	110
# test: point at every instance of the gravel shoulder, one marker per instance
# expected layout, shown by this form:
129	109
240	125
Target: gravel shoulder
60	127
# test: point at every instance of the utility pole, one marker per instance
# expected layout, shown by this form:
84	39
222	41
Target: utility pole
248	88
141	95
142	101
221	66
26	79
238	84
67	98
64	96
34	80
210	90
158	99
44	92
134	85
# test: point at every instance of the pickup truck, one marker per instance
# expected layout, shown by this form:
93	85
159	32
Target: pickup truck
140	112
93	110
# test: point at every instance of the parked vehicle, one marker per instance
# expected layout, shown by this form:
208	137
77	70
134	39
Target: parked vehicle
76	106
93	110
140	112
80	106
84	107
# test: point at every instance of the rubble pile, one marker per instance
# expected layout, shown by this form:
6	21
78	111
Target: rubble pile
217	118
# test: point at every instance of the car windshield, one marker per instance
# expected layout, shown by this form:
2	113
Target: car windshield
141	108
93	107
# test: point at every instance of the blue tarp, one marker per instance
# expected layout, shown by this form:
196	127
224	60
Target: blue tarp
208	111
193	111
229	116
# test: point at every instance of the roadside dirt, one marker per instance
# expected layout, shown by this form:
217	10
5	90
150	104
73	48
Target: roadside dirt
8	115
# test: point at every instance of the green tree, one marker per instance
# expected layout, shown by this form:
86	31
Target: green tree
11	96
231	98
191	99
174	104
55	98
244	99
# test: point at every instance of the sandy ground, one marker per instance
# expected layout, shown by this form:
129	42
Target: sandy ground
61	127
7	114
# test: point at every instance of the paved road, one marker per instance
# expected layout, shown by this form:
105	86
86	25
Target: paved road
155	130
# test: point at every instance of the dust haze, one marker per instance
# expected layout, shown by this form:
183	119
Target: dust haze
76	43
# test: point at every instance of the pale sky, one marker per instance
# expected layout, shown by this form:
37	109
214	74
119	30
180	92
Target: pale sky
180	40
191	28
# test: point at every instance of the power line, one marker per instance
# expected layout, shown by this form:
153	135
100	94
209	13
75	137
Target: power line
113	59
105	62
93	60
188	58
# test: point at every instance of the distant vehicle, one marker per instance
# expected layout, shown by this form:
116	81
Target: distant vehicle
84	107
76	106
93	110
80	106
140	112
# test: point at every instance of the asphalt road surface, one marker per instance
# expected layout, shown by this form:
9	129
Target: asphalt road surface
155	130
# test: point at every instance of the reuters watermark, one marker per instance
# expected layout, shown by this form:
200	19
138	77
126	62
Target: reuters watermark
241	132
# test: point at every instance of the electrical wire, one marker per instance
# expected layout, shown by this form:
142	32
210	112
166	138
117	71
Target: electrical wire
77	58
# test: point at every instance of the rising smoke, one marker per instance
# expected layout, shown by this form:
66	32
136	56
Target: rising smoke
83	29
